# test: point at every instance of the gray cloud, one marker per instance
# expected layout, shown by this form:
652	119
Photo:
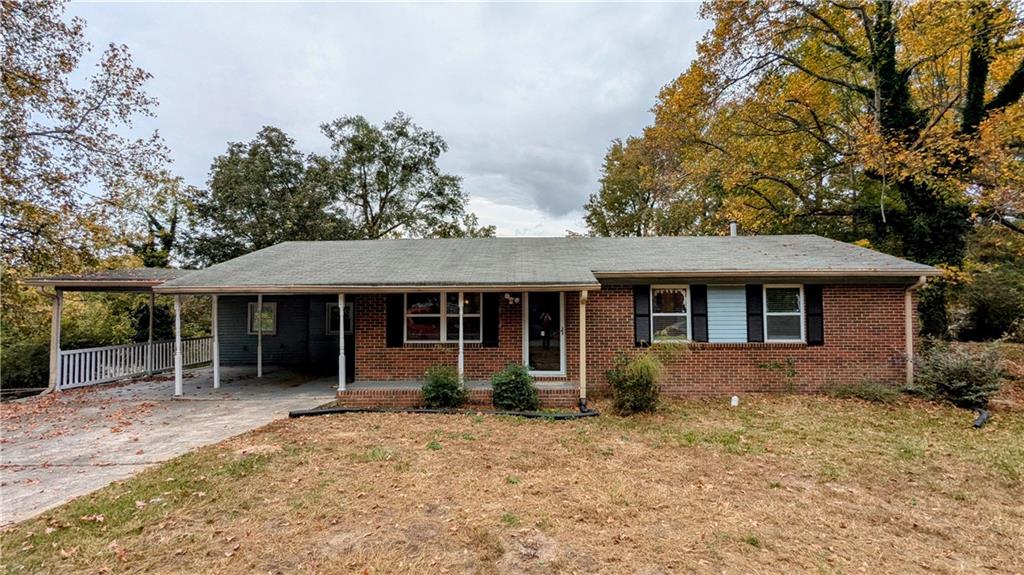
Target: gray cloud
528	96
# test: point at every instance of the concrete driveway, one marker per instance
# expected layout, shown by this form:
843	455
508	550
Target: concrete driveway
68	444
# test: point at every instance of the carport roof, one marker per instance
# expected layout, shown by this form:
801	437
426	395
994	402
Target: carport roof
535	263
132	279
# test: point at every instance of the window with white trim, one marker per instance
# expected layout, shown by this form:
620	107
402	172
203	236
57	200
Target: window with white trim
268	319
670	317
783	313
428	321
333	321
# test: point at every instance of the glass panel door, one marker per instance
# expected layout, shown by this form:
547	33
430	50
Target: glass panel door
545	332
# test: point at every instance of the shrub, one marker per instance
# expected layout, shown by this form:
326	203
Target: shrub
443	388
964	376
634	383
513	389
868	390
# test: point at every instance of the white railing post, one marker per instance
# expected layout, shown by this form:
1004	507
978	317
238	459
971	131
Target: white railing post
149	342
341	342
259	335
177	347
216	346
462	351
58	305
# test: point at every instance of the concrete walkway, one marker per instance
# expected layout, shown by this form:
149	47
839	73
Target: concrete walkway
59	447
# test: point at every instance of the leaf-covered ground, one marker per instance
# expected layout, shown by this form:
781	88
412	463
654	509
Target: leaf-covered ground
780	484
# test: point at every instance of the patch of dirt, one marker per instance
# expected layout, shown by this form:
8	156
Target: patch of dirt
258	449
528	551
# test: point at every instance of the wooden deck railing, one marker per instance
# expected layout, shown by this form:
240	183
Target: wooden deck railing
94	365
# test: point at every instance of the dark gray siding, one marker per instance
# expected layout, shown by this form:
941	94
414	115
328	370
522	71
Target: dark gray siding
323	348
289	346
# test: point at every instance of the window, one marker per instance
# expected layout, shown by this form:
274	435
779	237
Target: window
784	313
670	320
333	320
268	319
427	320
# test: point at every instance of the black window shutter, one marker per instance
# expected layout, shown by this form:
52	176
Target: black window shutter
492	319
755	312
642	315
394	312
815	313
699	303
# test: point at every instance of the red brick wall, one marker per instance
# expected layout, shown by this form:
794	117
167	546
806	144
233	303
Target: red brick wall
377	362
863	339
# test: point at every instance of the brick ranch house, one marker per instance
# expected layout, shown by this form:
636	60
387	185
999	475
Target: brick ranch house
740	313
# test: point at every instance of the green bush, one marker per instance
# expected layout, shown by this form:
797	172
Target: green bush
443	388
868	390
634	383
964	376
993	302
513	389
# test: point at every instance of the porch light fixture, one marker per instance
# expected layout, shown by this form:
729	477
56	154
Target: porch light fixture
511	300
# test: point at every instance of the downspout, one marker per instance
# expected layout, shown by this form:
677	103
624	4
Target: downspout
908	327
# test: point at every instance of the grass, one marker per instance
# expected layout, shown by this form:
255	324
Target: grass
779	484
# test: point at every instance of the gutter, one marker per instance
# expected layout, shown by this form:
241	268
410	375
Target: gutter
367	289
908	327
768	273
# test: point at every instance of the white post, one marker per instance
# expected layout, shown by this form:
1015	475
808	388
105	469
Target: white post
583	348
259	335
216	346
177	347
149	342
341	342
462	351
58	306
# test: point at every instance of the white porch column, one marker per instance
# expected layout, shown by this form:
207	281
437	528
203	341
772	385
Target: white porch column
216	345
149	342
259	335
583	348
58	306
341	342
462	350
177	347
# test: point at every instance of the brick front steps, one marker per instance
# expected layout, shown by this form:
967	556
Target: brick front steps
402	394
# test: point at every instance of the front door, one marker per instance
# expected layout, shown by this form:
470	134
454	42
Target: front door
544	333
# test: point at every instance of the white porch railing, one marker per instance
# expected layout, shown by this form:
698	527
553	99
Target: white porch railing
94	365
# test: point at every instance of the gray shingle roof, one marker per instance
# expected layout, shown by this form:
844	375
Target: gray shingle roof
528	262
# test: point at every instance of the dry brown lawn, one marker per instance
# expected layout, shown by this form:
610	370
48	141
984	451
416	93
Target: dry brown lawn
781	484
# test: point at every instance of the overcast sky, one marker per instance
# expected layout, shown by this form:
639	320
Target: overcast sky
528	96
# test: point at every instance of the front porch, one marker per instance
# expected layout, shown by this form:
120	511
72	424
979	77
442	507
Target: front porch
376	351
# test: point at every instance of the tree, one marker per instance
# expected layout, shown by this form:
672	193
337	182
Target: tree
625	205
388	179
61	138
262	193
64	158
153	217
897	124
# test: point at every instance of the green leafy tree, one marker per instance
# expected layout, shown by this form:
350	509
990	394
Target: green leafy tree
259	194
388	180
